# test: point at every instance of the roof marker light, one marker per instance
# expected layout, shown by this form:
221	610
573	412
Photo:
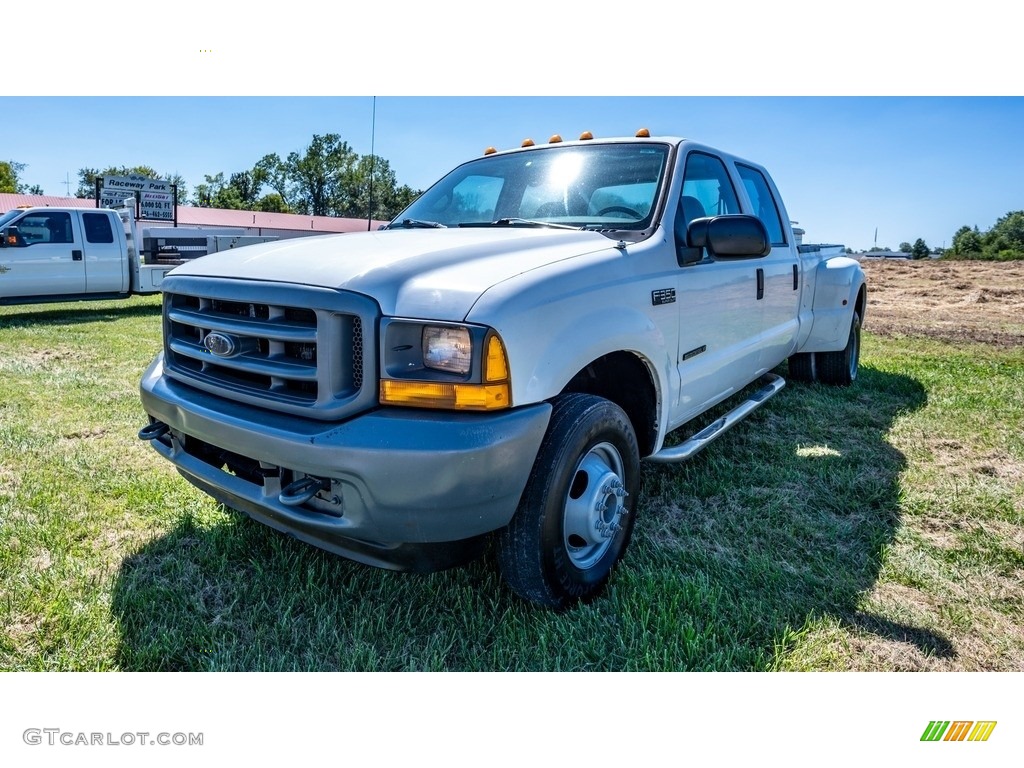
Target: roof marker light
643	133
527	143
556	139
490	151
586	136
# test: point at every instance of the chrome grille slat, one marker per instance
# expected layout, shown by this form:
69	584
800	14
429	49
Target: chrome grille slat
291	348
263	367
213	321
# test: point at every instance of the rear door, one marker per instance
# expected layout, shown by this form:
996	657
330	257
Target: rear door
44	258
105	261
780	274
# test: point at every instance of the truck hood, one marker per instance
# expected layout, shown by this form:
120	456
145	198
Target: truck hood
433	273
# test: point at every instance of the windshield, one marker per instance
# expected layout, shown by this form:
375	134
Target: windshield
10	216
593	186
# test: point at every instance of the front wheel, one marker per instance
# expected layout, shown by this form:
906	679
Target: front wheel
576	515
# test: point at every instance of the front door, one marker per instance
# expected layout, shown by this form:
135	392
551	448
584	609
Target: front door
43	257
719	311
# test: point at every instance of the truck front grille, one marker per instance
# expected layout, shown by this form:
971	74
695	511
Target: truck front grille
302	352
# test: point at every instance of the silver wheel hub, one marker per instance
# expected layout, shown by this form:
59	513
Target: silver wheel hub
854	351
595	506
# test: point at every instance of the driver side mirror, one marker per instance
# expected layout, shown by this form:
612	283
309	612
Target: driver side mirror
735	236
10	237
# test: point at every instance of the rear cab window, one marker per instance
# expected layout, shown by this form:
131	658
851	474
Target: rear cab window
765	207
97	228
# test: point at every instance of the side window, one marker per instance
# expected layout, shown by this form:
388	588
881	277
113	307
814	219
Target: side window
707	191
97	228
51	227
764	204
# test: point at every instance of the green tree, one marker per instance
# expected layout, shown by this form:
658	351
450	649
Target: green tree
327	178
10	179
1003	242
9	171
239	192
1010	229
920	249
272	203
966	241
247	187
317	177
905	247
372	191
203	194
270	171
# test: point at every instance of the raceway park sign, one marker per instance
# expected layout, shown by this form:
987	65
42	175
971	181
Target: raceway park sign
155	196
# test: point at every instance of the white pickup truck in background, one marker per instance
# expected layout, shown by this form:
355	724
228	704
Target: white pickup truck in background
499	360
68	254
53	254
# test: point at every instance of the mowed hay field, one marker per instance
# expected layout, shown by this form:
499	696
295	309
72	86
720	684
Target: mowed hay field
876	527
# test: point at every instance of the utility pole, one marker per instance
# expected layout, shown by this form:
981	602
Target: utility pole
373	161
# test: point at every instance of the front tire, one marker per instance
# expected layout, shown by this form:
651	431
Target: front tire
576	515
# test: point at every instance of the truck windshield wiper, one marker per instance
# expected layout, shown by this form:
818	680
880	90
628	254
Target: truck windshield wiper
421	224
516	222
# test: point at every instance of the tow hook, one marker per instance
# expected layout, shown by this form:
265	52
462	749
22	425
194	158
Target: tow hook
301	491
153	431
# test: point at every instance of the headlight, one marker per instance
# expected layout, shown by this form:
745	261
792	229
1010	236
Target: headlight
429	365
447	349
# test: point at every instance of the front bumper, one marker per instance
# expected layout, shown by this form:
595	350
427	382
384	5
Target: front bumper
400	485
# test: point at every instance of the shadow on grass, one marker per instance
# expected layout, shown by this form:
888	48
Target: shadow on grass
789	524
783	520
929	643
104	311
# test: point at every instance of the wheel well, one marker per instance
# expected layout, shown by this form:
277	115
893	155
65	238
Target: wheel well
862	303
623	378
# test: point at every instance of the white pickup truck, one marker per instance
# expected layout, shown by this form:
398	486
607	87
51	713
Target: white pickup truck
500	358
68	254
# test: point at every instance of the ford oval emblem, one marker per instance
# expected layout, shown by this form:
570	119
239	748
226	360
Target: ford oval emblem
220	344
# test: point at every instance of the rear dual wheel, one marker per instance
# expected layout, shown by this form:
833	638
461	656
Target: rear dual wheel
576	515
838	368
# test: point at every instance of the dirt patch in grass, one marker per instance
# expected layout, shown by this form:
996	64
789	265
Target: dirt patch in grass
955	301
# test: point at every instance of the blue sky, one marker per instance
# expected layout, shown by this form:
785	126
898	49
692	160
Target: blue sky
897	118
909	166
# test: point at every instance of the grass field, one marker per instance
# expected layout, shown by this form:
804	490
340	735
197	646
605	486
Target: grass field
879	527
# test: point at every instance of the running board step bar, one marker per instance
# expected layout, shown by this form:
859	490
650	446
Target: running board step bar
689	448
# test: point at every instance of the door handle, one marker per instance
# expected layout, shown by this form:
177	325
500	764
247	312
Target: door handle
76	255
760	284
